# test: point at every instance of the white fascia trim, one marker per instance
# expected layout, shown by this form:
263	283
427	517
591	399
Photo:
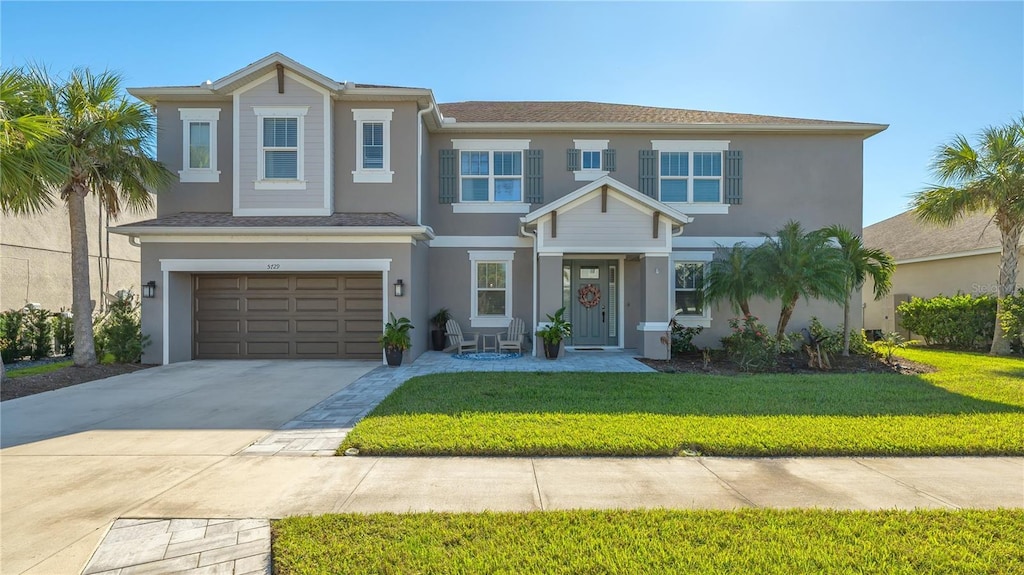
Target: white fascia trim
272	239
481	242
699	208
322	82
203	115
490	208
491	145
144	232
277	265
590	145
716	241
605	127
964	254
690	145
363	175
652	326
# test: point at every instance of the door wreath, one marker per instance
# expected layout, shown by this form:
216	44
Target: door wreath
589	295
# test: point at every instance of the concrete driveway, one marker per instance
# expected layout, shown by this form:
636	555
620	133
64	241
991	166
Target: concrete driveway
75	459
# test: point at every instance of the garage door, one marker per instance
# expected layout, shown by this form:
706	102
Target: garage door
271	316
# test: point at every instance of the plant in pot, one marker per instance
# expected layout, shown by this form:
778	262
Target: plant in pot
395	339
437	335
557	330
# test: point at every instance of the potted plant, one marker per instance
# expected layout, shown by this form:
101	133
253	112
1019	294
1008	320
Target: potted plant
557	330
395	339
437	335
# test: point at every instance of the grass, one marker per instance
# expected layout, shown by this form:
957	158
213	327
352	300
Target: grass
973	405
654	541
38	369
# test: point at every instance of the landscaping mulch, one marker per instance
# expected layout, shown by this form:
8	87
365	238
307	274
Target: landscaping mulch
721	365
65	377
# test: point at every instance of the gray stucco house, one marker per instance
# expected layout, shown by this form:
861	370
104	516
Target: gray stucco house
302	201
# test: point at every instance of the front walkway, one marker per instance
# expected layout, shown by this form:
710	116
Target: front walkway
321	429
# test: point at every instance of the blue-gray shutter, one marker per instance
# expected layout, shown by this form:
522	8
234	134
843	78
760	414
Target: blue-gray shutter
534	177
572	159
734	177
608	162
449	182
649	173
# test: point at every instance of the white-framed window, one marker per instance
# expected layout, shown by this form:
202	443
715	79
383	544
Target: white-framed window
373	146
690	172
491	294
491	176
199	145
688	288
591	159
280	135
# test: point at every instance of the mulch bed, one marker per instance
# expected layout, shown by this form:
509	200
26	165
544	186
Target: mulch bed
65	377
720	365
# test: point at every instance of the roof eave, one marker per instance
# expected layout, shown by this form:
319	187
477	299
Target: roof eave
865	129
419	232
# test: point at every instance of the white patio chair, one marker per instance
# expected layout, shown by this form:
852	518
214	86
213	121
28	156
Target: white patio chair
459	341
513	339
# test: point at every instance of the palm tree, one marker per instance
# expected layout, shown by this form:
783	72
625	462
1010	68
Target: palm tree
862	262
732	276
988	178
800	264
102	144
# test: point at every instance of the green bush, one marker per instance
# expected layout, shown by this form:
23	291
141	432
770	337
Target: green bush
120	331
38	334
750	345
63	325
961	322
832	339
682	337
12	342
1012	320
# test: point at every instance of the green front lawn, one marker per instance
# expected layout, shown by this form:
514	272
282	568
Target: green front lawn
974	405
745	541
36	370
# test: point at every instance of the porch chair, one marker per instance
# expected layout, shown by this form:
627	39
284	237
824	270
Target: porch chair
513	339
459	341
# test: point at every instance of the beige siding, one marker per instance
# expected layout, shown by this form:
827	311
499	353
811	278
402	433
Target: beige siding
313	146
622	226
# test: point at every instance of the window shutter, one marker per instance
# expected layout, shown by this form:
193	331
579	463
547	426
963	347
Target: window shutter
534	177
572	159
734	177
649	173
448	180
608	162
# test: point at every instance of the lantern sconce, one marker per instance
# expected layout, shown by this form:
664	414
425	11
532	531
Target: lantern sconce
399	288
149	289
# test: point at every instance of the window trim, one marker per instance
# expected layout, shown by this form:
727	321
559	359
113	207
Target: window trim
584	146
490	146
299	113
189	116
691	147
363	175
704	258
477	257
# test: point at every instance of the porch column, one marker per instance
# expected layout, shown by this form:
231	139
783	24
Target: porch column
656	306
549	292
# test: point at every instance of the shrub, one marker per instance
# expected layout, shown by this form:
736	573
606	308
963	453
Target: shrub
120	331
63	326
38	334
961	322
750	346
1012	320
887	346
832	339
12	343
682	337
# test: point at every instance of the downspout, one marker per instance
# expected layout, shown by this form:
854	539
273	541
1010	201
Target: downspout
419	161
522	230
134	240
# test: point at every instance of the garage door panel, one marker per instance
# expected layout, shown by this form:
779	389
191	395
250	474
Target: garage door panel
287	316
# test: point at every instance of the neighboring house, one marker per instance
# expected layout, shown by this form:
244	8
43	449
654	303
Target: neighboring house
303	201
932	260
35	258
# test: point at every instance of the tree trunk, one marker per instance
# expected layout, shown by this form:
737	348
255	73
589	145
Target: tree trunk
81	304
846	327
745	308
3	372
1011	232
784	317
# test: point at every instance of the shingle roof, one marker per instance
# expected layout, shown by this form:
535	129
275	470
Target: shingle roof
585	112
905	237
226	220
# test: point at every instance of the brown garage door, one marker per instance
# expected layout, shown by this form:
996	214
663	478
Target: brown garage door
272	316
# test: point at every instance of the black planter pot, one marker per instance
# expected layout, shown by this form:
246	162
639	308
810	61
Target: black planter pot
551	350
437	339
394	357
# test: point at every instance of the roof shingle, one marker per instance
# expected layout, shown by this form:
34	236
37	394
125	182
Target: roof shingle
905	237
226	220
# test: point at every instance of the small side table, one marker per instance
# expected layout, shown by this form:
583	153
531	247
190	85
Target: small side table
490	341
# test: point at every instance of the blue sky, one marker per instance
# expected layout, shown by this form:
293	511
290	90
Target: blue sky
930	69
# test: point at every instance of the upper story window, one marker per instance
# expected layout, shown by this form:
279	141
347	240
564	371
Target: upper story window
373	146
590	159
280	164
199	144
690	171
490	174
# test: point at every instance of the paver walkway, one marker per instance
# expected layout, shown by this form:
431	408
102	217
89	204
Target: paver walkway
321	429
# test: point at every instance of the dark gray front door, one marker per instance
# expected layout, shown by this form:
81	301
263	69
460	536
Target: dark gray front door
591	296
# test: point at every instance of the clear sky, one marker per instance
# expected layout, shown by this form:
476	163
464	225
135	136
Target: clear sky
929	69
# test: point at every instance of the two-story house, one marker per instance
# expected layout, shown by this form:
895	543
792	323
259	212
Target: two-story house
308	209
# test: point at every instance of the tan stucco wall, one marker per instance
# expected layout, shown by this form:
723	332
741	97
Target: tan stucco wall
35	258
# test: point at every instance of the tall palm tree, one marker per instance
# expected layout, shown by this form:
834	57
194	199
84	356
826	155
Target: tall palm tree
103	145
800	264
987	178
862	262
732	276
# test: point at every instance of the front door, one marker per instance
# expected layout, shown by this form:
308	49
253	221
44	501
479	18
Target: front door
590	293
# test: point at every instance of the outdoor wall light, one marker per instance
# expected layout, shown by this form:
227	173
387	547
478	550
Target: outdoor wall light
399	288
149	289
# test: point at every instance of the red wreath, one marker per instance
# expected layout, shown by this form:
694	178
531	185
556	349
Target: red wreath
589	296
